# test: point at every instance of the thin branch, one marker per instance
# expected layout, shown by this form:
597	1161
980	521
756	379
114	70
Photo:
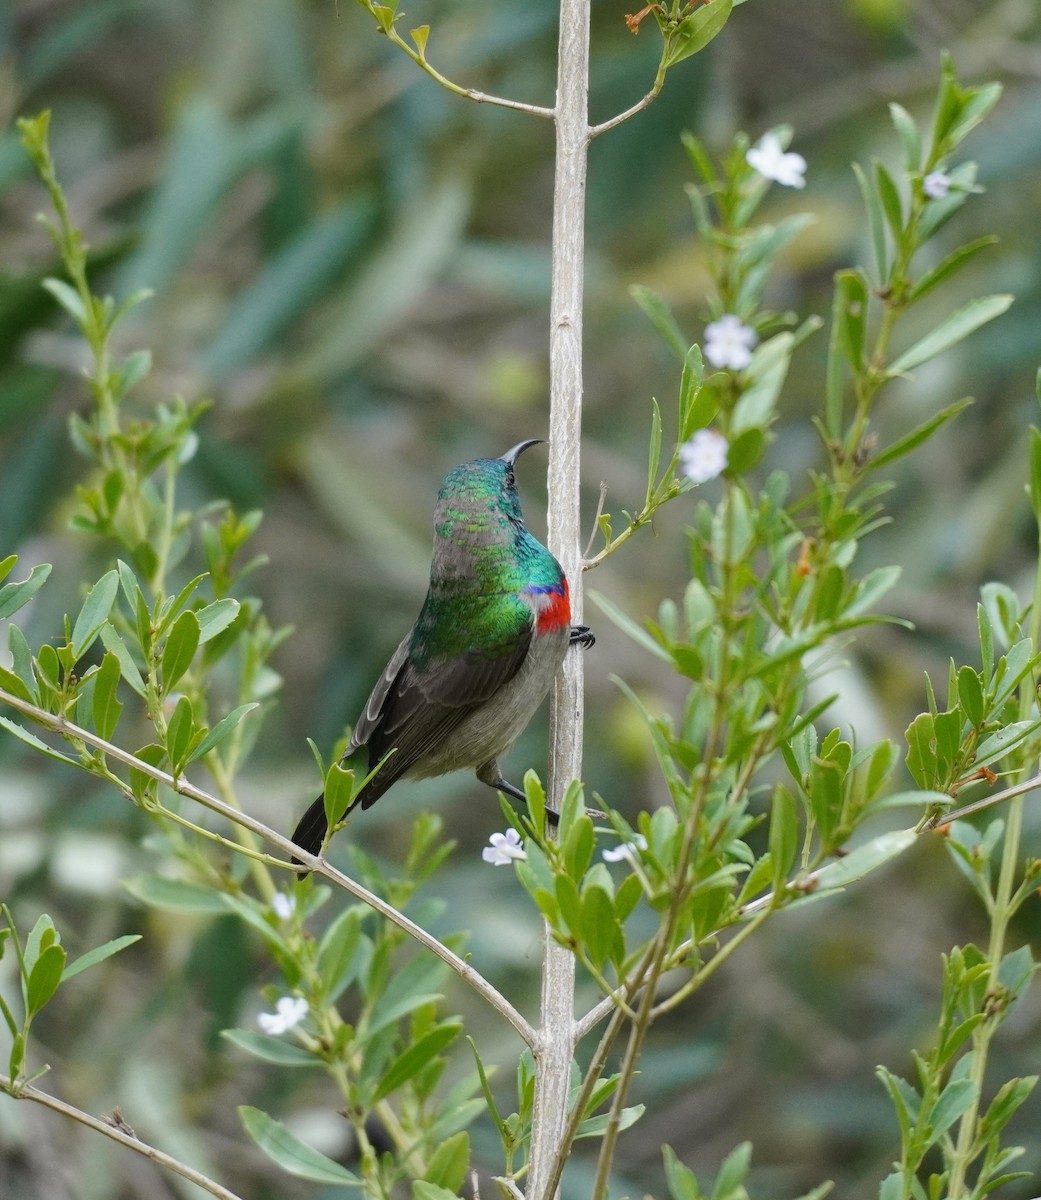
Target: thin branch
596	521
312	862
26	1092
535	110
639	106
420	59
1018	789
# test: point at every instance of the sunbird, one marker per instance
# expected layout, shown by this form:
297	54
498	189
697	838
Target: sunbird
491	635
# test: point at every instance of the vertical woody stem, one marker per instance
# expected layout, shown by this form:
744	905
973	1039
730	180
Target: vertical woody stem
556	1035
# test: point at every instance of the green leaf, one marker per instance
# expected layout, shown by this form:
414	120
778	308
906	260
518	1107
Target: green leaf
680	1179
339	791
851	299
660	316
179	651
111	640
271	1049
918	435
14	595
970	695
733	1172
412	1060
179	731
419	35
105	706
654	452
955	1100
627	625
876	222
141	782
948	266
133	369
596	1126
13	684
890	197
290	1153
697	405
175	894
44	977
424	1190
339	953
216	617
1009	1097
94	613
865	859
68	298
413	986
948	333
221	730
600	926
448	1164
99	954
910	140
783	836
31	739
696	31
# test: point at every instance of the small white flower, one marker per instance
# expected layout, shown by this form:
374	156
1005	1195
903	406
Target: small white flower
729	342
773	163
283	905
289	1012
936	185
626	850
704	456
503	848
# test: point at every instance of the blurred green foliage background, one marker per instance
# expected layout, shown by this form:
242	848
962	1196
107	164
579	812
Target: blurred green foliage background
354	266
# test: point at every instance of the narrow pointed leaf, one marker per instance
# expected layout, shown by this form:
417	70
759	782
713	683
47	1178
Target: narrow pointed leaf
99	954
290	1153
918	435
94	613
14	595
31	739
271	1049
221	730
696	31
957	327
179	651
658	313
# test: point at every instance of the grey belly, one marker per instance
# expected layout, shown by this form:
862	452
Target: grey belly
493	728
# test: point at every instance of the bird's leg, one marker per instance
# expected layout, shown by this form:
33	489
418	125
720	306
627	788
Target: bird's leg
490	774
581	635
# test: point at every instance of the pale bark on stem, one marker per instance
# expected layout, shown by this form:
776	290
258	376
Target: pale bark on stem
556	1034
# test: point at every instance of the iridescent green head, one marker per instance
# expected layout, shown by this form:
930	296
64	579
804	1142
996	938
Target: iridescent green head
472	492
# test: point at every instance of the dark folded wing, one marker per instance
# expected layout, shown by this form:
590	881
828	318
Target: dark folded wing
412	711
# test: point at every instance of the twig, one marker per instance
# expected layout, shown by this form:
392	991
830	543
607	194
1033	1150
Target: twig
313	863
1018	789
596	521
26	1092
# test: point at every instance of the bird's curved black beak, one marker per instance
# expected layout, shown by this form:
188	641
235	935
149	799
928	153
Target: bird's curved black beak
515	452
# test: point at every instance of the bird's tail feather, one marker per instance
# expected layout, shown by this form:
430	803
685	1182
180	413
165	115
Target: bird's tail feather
310	831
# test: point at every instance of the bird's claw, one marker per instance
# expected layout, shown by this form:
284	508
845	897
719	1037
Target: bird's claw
581	635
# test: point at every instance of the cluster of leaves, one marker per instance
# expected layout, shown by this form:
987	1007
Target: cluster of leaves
189	665
141	654
773	597
42	967
388	1057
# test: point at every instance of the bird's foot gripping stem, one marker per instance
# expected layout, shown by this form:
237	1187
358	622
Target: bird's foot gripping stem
581	635
494	779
